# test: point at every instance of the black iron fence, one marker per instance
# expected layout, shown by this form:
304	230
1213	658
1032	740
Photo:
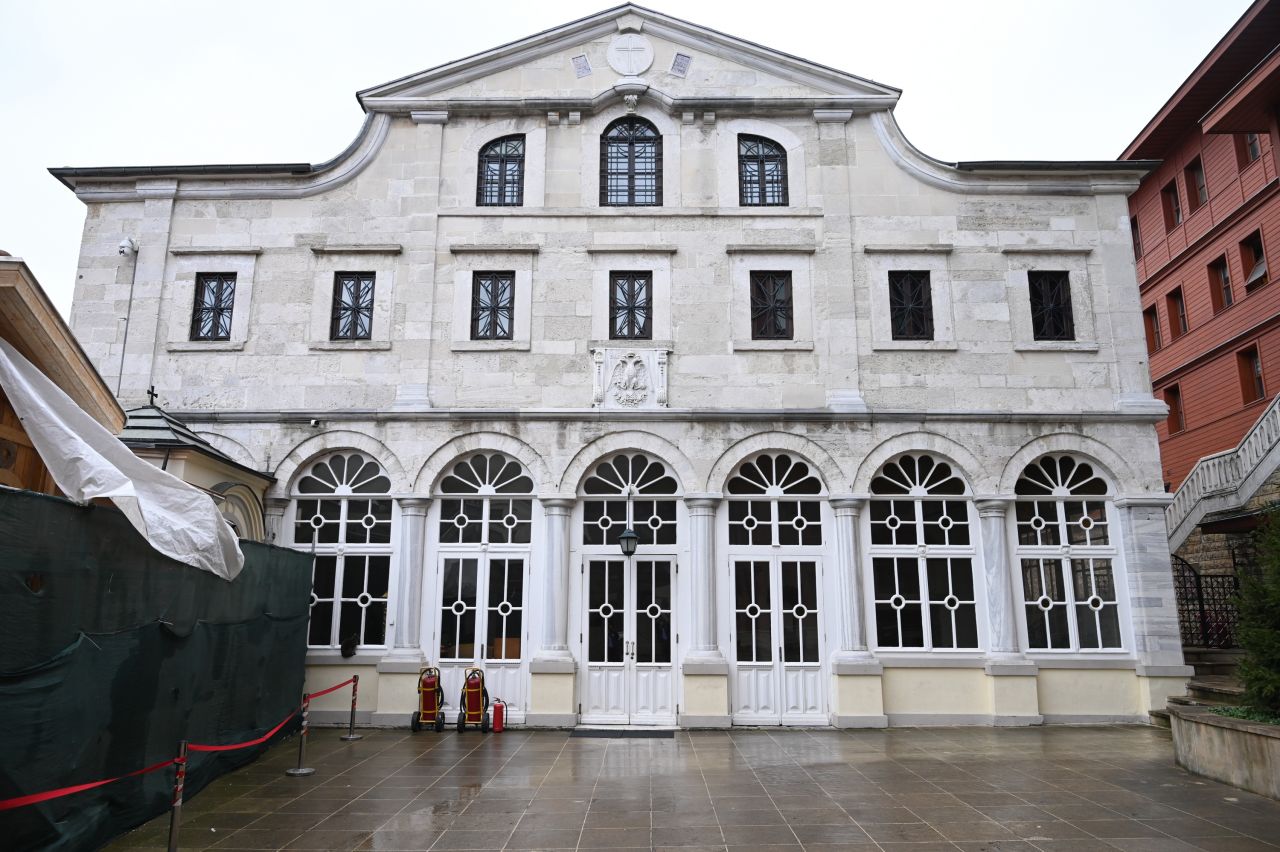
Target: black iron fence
1206	606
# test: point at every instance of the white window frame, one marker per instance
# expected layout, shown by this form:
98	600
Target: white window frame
468	260
327	265
182	295
1075	263
937	263
742	262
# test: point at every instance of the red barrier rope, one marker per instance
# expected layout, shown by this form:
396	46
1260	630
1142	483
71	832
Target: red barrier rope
333	688
35	798
21	801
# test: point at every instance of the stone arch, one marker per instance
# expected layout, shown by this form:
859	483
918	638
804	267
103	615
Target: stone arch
337	439
947	449
1111	464
445	455
811	452
616	442
235	450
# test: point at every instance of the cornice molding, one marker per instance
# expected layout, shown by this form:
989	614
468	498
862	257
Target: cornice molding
359	248
924	248
183	250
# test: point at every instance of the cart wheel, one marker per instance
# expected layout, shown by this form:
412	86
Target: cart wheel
462	720
484	723
440	721
415	724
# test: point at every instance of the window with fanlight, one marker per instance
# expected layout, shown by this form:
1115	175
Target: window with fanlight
922	556
629	491
341	512
773	500
1066	556
485	527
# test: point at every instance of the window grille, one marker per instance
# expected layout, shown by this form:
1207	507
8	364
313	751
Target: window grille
771	502
762	172
492	305
211	312
500	173
1051	312
910	305
630	305
772	314
651	511
631	164
352	317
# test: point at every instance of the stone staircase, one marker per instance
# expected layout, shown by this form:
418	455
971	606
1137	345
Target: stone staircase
1214	684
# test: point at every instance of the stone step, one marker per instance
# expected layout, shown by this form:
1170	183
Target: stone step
1160	719
1215	689
1194	656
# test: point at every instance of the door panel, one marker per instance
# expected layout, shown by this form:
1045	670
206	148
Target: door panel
653	692
605	690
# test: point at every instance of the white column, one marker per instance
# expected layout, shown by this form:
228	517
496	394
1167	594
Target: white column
556	511
273	510
993	513
1153	606
412	558
852	656
705	656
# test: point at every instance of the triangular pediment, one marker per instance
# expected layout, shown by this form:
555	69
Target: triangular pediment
634	49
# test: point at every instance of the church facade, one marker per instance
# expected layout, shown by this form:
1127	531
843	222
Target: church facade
657	374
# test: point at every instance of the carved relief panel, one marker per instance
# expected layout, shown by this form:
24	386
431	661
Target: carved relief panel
629	378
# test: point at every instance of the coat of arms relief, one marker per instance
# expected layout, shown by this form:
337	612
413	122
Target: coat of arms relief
630	378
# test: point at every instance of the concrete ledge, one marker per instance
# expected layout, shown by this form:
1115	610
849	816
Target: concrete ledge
1075	663
919	248
626	248
503	248
1165	671
797	248
1235	751
181	250
1023	669
938	662
687	720
705	667
550	720
881	721
537	666
849	668
1016	721
939	719
359	248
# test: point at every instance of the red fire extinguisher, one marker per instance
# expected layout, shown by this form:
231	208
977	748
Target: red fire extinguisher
499	715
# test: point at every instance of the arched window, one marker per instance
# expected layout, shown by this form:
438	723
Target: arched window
650	511
1066	557
631	164
762	172
768	502
342	513
500	173
486	509
922	556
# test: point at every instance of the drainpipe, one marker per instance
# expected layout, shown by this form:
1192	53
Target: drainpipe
128	248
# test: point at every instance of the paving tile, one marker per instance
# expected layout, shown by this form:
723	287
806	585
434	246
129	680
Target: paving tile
687	836
328	840
399	841
462	839
249	838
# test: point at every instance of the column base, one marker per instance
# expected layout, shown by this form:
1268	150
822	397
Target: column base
1014	691
705	662
551	694
706	695
402	661
857	692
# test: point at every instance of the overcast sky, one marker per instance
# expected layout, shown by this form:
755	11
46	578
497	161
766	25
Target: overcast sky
145	82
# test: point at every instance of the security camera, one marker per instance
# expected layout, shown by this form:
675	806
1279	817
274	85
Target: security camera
127	247
313	423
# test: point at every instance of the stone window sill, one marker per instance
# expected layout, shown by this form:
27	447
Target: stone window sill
205	346
328	657
914	346
1056	346
773	346
357	345
490	346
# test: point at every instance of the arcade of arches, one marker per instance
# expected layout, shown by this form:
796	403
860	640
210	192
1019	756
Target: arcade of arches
774	602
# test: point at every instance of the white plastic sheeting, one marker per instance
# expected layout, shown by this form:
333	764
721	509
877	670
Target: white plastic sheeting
88	462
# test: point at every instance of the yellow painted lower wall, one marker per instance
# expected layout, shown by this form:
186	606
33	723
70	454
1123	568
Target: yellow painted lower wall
1068	695
335	708
949	696
551	694
706	699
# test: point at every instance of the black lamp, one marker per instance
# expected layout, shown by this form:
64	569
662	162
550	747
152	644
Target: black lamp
628	541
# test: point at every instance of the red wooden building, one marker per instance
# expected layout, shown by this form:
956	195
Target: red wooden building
1205	224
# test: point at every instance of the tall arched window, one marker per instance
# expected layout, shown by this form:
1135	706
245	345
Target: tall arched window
650	511
922	556
486	509
631	164
1066	556
341	511
762	172
500	173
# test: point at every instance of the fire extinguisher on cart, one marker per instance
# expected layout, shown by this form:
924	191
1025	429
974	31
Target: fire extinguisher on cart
499	715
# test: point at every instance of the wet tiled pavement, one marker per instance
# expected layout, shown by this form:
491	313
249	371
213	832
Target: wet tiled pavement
914	790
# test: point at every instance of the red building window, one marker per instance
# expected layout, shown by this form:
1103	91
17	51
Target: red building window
1137	236
1151	320
1253	261
1248	148
1197	190
1250	366
1220	285
1173	398
1177	309
1172	206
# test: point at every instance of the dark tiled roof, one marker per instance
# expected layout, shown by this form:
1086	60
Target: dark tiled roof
150	427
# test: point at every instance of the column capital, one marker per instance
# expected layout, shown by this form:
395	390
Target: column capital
1151	501
992	507
847	504
275	504
414	505
707	501
557	504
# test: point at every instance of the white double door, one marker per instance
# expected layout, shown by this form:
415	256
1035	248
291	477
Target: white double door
777	638
628	641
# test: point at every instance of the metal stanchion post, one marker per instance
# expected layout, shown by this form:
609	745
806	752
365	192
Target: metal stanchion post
351	735
300	770
179	781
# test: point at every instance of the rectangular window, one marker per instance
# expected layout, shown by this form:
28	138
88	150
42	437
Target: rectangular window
630	305
1248	148
1056	589
1220	285
1253	261
910	305
1137	236
1173	398
211	311
1197	190
1250	367
772	315
1172	206
492	305
1177	310
1051	313
1151	321
352	317
506	609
